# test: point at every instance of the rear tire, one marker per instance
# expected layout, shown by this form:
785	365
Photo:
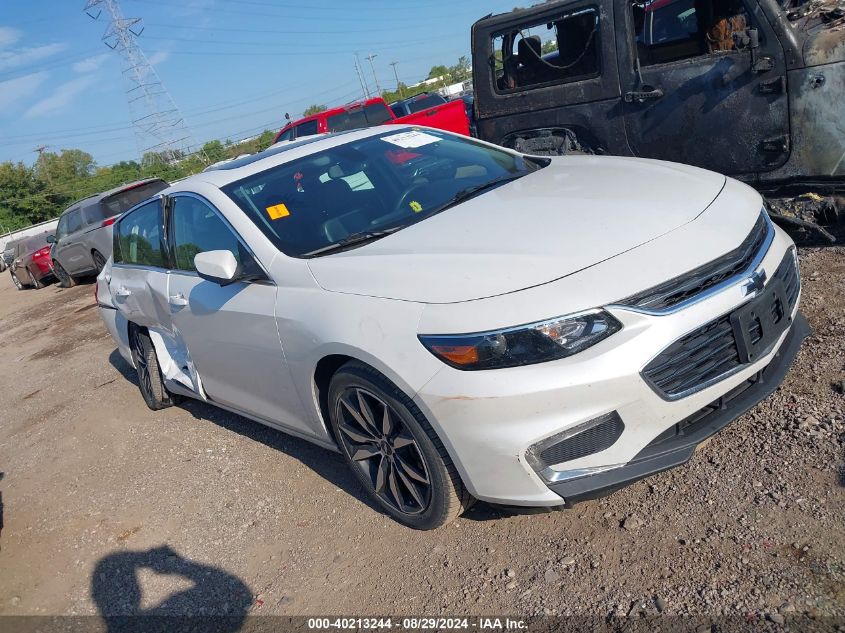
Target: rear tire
65	280
150	378
99	261
393	451
36	283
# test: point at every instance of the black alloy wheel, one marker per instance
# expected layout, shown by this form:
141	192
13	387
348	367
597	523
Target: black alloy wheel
150	379
99	261
65	280
383	449
393	450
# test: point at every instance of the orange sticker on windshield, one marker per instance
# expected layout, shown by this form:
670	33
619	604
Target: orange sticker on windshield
416	206
278	211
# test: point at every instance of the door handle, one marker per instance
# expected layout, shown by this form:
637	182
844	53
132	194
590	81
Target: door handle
641	96
122	292
178	300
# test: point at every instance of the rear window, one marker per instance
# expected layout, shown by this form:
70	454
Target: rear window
359	118
122	201
424	103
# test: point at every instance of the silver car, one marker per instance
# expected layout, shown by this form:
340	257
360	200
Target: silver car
83	239
460	321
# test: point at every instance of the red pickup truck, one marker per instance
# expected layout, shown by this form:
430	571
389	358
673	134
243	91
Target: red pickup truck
450	116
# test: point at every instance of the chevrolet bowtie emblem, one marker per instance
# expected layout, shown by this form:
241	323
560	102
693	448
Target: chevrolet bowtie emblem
755	283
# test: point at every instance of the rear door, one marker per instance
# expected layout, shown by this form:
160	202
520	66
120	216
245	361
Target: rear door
450	116
138	281
70	251
702	100
228	332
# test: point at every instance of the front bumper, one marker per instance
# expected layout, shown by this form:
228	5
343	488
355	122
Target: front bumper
667	452
492	422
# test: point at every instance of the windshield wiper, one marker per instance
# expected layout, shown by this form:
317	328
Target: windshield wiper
354	239
470	192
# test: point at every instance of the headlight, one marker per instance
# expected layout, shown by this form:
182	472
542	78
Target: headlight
525	344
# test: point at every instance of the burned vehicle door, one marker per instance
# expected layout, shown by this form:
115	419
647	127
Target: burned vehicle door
546	76
704	83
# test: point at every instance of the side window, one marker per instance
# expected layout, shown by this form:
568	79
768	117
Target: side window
286	136
377	113
672	30
61	229
74	221
196	228
139	236
562	49
307	129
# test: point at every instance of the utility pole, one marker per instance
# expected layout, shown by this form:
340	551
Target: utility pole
158	125
361	77
364	89
396	74
370	58
40	151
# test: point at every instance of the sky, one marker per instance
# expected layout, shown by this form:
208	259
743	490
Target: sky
232	67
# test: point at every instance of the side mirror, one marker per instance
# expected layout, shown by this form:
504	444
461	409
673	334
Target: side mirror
51	239
219	267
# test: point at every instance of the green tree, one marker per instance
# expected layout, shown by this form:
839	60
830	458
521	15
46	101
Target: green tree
214	150
314	109
438	71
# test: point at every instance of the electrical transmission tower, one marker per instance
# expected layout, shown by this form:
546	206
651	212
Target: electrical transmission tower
158	126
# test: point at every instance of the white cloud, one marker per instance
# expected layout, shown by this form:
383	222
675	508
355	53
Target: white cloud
14	90
8	36
159	57
61	98
90	64
22	56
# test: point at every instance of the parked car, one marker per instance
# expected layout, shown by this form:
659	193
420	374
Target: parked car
31	266
83	239
468	322
416	103
8	254
449	116
750	88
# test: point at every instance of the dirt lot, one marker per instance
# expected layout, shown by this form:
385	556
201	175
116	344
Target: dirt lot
112	508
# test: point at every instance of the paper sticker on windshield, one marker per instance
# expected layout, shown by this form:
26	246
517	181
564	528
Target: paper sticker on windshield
415	206
409	140
277	211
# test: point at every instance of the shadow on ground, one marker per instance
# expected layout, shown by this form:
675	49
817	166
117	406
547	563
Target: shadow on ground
219	599
329	465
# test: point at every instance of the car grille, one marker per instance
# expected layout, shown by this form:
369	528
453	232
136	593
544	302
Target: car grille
710	352
696	281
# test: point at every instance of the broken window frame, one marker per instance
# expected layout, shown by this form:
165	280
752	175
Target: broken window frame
514	32
750	23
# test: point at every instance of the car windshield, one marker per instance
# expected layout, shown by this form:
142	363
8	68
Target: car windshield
369	187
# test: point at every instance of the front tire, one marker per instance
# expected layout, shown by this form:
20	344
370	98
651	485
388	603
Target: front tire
393	450
150	378
16	281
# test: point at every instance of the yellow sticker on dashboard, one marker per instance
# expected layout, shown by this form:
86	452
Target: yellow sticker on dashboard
278	211
416	206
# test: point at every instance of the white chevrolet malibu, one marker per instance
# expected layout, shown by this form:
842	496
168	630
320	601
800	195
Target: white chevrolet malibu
460	321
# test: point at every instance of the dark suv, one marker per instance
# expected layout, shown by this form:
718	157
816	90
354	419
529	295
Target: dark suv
83	240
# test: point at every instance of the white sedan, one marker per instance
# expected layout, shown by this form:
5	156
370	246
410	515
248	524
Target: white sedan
458	320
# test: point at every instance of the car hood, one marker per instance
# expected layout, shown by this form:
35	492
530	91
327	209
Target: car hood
568	216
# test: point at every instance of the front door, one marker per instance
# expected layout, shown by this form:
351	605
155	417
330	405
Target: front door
704	96
229	332
69	251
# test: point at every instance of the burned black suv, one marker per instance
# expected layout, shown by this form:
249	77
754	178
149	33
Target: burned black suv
751	88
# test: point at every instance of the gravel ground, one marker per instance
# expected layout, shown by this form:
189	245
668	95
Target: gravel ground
112	508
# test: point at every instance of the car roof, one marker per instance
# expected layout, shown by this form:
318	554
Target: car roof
280	154
97	197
